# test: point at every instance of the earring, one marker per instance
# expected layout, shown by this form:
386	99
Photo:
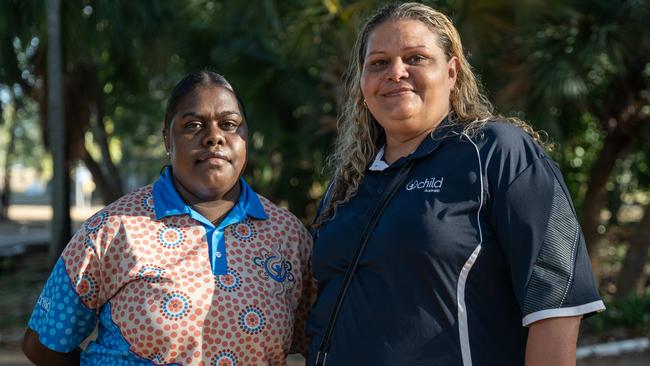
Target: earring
168	156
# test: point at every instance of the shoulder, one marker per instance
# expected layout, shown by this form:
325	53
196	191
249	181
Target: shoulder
498	139
506	150
138	203
277	214
283	218
509	138
287	225
97	232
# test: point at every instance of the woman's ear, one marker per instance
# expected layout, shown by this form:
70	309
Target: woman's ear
452	71
165	134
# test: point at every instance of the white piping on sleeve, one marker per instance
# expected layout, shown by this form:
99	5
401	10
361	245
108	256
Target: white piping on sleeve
595	306
463	328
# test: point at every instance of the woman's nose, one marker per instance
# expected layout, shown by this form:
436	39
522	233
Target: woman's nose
213	135
397	71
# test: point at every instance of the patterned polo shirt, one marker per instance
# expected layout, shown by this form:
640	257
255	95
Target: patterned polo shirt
166	287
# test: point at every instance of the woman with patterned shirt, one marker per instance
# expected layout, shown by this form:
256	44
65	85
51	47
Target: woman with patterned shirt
195	269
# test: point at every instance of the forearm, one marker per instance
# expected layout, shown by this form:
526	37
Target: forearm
41	355
553	342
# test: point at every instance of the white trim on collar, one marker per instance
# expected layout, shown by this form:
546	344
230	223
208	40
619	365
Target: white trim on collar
379	164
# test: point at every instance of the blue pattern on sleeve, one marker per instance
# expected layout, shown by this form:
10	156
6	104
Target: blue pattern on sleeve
61	320
110	347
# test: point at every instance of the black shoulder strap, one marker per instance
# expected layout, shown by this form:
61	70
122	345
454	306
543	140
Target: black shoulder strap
319	211
321	356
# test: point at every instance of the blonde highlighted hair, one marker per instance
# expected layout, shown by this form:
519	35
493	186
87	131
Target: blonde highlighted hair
359	133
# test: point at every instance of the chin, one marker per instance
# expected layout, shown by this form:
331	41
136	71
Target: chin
400	112
223	183
400	118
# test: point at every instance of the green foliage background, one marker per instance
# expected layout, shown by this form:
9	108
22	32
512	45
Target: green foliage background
577	69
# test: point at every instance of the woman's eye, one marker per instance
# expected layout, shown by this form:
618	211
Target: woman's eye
229	125
377	63
416	59
193	124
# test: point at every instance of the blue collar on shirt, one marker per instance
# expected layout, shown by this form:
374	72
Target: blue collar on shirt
168	202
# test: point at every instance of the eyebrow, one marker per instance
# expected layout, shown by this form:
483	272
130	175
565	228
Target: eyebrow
196	114
404	49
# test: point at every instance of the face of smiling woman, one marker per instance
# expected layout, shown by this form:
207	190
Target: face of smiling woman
207	144
406	78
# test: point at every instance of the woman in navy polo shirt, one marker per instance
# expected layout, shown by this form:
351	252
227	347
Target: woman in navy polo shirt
476	257
195	269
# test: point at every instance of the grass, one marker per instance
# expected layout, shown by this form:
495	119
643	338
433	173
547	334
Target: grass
22	278
626	318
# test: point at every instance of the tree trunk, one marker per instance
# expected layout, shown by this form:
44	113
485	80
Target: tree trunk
56	127
84	112
103	184
595	197
6	190
113	174
631	279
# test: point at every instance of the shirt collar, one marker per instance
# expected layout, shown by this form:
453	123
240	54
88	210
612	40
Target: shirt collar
426	147
379	164
168	202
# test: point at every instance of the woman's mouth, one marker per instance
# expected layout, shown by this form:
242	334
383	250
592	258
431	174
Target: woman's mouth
214	158
397	92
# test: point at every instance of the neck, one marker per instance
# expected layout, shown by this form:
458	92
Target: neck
214	207
399	146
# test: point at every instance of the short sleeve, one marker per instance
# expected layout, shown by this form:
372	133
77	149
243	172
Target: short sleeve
536	225
300	341
65	313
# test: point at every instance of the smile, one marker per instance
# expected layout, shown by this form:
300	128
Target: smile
397	92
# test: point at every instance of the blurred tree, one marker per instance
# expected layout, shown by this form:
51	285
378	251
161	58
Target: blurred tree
587	61
56	136
109	47
632	278
10	119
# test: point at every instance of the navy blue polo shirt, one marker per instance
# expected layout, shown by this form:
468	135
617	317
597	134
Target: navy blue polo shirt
480	241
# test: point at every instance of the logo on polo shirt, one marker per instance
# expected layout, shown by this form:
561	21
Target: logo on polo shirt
429	185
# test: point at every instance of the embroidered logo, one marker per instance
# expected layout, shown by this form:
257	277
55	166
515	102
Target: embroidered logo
274	266
44	302
432	184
